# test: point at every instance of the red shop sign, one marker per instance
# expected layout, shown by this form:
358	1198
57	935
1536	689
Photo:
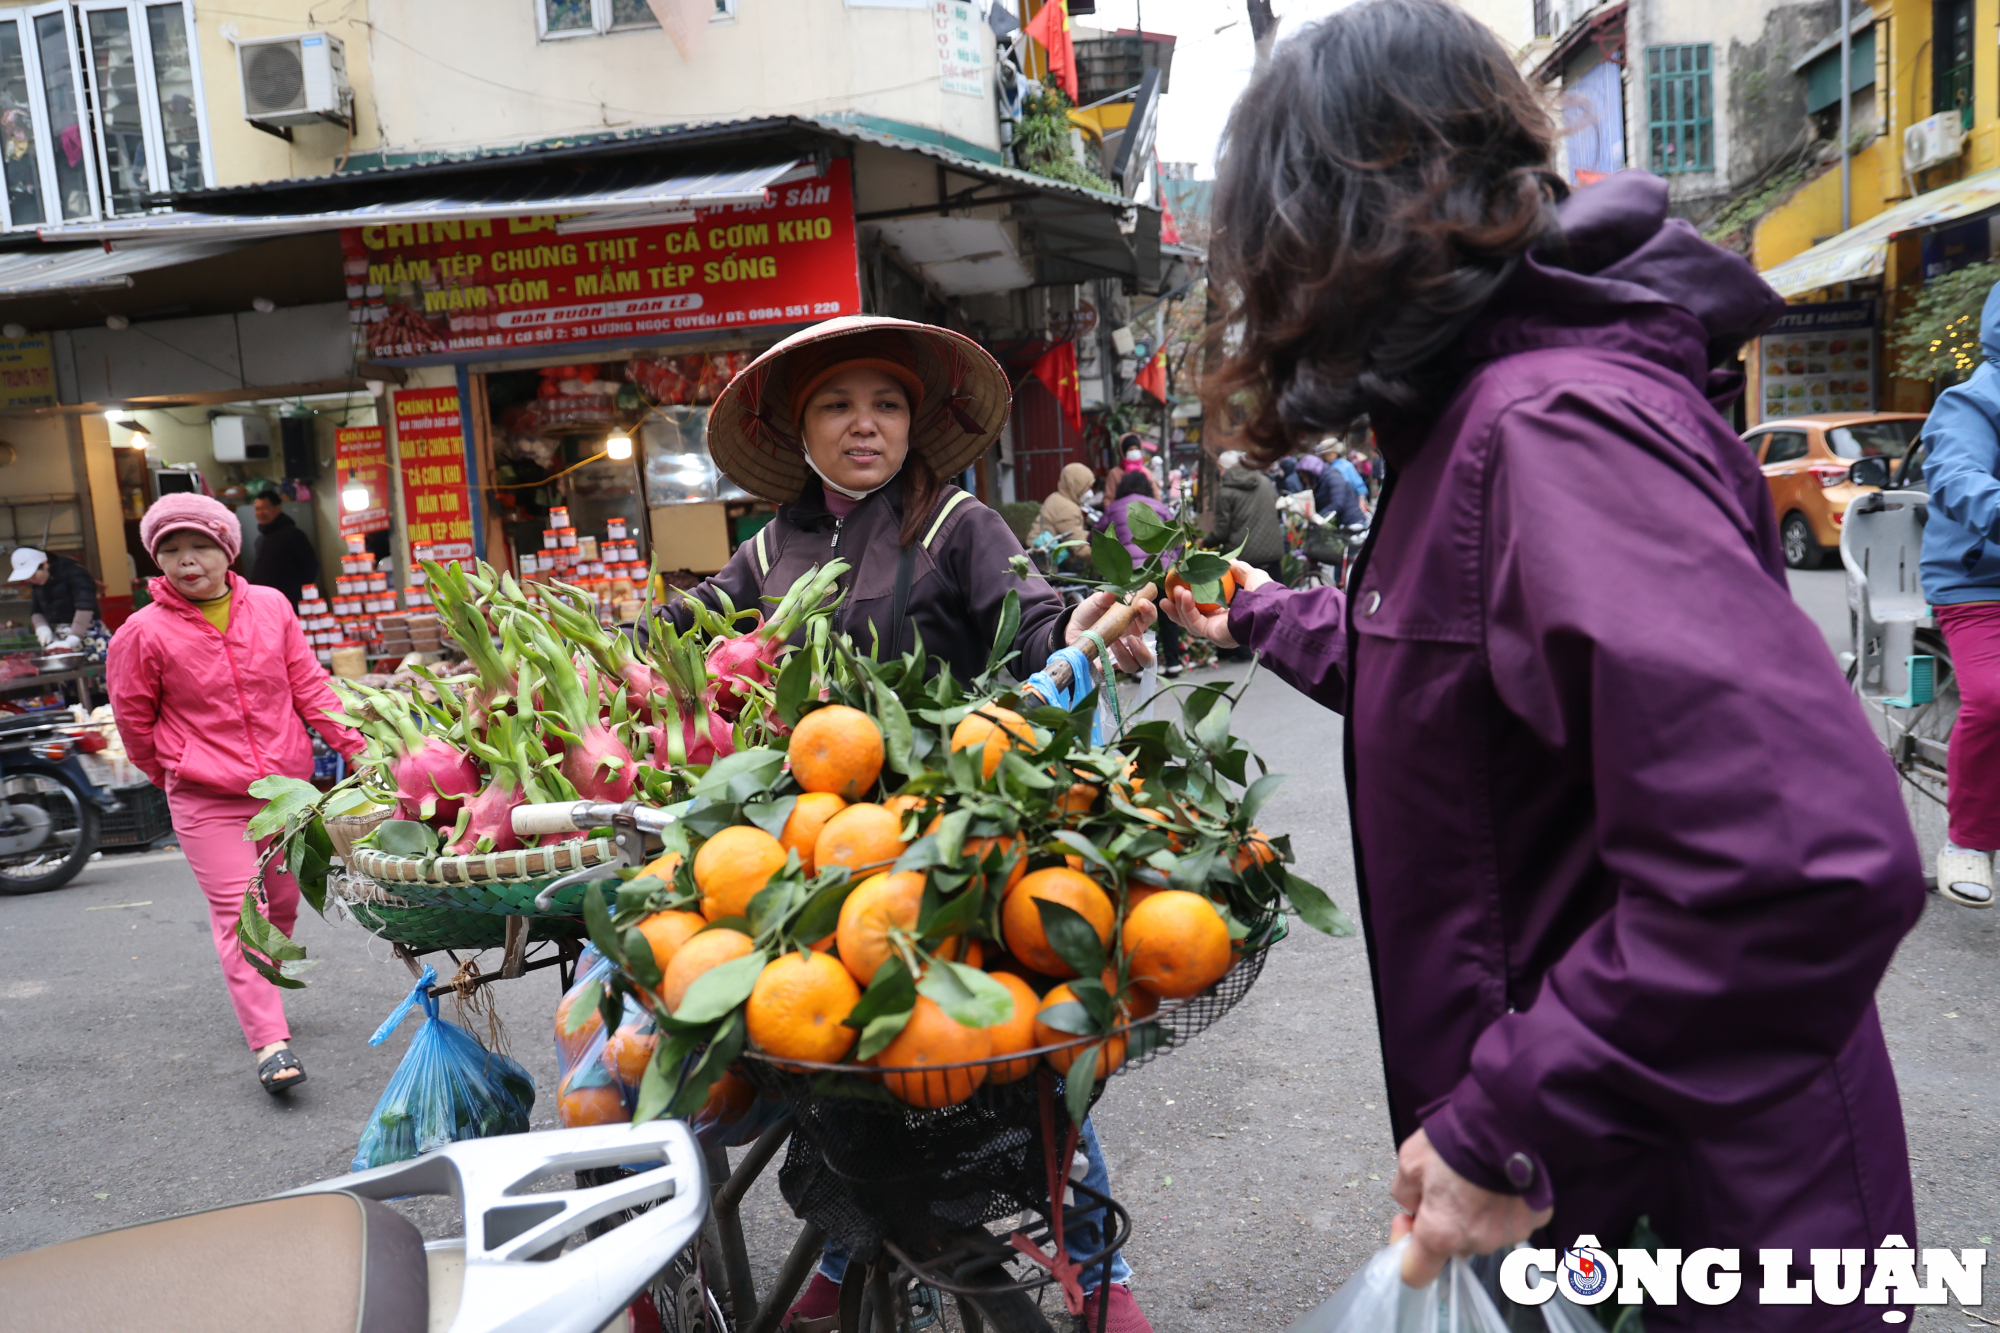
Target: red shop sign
433	289
430	444
361	456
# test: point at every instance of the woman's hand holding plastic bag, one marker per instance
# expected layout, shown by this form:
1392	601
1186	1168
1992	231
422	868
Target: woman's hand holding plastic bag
1449	1215
1375	1300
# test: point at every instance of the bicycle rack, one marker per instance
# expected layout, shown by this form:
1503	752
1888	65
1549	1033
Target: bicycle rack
1881	546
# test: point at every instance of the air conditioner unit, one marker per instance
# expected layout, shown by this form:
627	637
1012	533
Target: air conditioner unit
241	439
1932	140
295	80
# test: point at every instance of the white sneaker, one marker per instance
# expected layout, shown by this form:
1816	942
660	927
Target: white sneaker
1965	876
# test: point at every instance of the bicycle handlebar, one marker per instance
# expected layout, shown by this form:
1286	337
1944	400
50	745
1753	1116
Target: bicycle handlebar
581	816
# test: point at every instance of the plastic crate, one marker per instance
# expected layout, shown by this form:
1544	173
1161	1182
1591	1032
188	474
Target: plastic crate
143	822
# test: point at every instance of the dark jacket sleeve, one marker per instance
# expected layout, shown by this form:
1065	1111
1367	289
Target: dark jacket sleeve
1761	866
973	554
740	581
70	589
1302	635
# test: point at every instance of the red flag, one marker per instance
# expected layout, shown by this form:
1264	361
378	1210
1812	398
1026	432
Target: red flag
1050	27
1153	378
1057	369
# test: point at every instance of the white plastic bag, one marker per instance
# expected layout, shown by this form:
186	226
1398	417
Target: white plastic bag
1376	1301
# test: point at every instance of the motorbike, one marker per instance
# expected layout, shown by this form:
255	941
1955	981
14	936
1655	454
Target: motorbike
50	811
533	1256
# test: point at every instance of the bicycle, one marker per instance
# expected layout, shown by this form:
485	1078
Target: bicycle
1899	665
908	1194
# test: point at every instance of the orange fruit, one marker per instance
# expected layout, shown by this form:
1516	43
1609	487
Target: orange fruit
837	749
1165	821
708	949
729	1100
1257	850
732	866
601	1105
1078	800
877	903
995	728
861	837
1136	893
977	850
1111	1051
933	1037
666	867
1021	920
668	931
571	1044
802	827
628	1053
1175	581
1017	1033
1177	943
904	804
797	1006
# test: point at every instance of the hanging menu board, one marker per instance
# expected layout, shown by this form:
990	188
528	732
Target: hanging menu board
430	445
361	456
1818	358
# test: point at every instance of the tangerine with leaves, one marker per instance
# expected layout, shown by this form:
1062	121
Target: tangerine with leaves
666	932
933	1037
798	1007
663	867
711	948
573	1044
628	1052
1110	1051
1021	920
837	749
997	730
1256	850
863	837
803	825
877	904
601	1104
1175	582
1177	944
732	866
1017	1033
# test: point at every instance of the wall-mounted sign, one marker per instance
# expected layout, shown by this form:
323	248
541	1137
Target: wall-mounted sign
430	447
27	373
436	290
1818	358
961	56
360	455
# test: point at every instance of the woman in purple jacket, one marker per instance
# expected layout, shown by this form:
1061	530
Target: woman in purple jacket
1629	861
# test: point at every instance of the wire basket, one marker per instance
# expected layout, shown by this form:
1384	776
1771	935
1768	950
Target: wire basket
868	1167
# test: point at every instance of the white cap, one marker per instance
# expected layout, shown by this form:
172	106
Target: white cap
26	561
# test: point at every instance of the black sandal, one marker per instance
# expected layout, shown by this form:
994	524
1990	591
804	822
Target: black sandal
274	1064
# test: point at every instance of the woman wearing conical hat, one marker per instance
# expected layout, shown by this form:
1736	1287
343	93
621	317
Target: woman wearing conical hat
850	426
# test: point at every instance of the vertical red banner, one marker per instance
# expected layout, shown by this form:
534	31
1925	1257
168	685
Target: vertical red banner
361	457
437	499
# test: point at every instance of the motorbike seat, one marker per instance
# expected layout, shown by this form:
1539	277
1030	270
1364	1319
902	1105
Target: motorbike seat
312	1263
30	721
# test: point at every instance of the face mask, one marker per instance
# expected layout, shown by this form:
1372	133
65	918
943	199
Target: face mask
836	487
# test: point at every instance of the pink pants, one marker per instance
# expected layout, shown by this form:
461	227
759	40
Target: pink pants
210	828
1972	764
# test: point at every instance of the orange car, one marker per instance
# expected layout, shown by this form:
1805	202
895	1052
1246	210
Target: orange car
1805	460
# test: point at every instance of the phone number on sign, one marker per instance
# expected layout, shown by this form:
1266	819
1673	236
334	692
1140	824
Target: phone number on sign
795	311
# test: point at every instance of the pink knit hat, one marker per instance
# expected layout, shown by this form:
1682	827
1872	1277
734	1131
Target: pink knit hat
186	512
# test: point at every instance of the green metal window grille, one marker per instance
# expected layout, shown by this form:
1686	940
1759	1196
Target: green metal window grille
1951	85
1680	112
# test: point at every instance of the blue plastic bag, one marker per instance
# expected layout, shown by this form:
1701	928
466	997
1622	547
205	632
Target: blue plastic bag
447	1088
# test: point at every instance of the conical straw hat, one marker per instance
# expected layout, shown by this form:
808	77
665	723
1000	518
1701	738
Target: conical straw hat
755	442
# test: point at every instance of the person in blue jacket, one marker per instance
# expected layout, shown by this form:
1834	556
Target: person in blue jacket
1961	574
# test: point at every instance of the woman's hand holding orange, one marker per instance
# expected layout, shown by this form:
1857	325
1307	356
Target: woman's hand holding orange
1211	625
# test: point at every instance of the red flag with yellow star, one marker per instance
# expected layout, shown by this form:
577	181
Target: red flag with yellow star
1050	27
1057	369
1153	378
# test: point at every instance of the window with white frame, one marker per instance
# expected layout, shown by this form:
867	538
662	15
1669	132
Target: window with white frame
100	109
583	18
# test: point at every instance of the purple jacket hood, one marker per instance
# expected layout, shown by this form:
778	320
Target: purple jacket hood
1629	860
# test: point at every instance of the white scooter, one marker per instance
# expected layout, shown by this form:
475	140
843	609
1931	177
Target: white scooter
332	1257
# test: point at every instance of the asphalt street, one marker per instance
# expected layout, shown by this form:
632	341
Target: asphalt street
1256	1162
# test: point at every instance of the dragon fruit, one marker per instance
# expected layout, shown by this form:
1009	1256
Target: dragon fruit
432	776
486	823
738	663
595	761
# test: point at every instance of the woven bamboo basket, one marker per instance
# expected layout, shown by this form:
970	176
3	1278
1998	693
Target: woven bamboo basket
501	883
423	927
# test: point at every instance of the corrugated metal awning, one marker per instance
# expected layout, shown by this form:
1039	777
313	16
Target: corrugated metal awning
629	195
95	268
1863	251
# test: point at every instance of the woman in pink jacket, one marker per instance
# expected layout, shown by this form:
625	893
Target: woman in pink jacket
213	687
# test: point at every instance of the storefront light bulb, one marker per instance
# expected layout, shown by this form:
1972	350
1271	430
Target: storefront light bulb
354	496
618	447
